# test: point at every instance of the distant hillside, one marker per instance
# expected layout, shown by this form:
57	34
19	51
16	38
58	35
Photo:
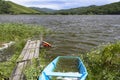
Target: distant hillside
18	9
8	7
113	8
47	10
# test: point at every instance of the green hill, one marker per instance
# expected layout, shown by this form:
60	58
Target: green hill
8	7
113	8
18	9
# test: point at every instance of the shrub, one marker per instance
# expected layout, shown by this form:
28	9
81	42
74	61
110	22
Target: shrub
103	63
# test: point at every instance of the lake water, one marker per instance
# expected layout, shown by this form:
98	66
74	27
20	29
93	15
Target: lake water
73	34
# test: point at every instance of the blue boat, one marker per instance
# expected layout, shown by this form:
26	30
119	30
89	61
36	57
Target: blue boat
49	72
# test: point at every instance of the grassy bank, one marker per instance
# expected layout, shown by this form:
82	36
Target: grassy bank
18	33
103	63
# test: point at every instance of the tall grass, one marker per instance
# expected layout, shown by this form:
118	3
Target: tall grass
18	33
6	67
103	63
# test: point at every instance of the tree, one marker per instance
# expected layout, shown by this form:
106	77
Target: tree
4	7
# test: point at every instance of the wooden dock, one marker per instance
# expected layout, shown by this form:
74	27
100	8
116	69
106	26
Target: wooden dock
30	51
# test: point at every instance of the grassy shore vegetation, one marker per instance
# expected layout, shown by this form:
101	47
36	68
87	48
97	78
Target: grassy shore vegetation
18	33
103	63
32	72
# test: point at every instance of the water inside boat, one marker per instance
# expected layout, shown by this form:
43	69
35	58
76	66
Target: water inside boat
66	65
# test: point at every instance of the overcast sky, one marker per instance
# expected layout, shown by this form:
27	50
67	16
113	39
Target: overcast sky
61	4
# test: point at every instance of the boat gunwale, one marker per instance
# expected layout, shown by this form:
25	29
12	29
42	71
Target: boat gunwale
50	69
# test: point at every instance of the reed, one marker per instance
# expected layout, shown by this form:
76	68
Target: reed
17	32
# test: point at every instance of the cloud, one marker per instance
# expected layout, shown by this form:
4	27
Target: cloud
54	6
62	4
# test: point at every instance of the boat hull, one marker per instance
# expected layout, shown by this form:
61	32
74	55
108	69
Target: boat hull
49	72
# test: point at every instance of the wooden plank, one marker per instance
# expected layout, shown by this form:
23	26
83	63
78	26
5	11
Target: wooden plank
31	50
24	51
27	52
18	71
36	55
